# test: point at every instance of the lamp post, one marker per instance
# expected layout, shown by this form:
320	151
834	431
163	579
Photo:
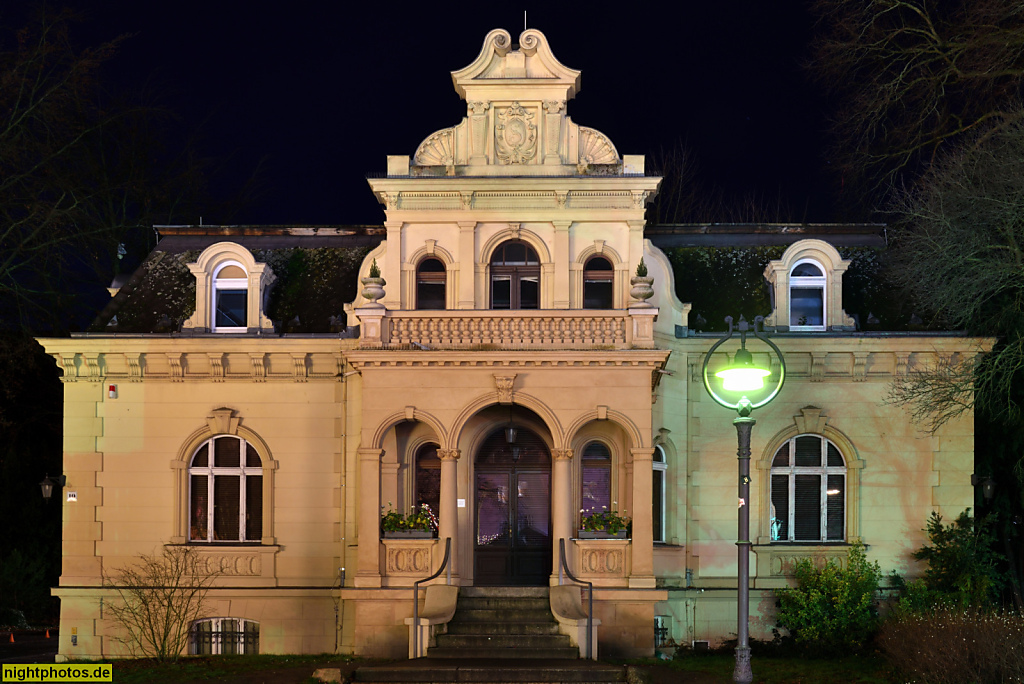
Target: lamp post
741	377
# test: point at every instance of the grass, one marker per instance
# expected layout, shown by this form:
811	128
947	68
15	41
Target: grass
234	668
864	669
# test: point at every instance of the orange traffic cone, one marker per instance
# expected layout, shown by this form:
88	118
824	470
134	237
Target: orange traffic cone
47	634
12	637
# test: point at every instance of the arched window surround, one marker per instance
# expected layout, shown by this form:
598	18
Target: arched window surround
259	277
620	275
222	421
810	421
778	274
483	267
430	250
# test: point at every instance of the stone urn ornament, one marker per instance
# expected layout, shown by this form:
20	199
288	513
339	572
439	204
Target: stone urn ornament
642	289
373	287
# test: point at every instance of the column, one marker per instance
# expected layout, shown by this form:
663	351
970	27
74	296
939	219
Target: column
467	265
642	572
561	258
368	558
448	516
391	269
563	514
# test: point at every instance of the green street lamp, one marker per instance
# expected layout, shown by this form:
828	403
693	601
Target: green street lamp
740	378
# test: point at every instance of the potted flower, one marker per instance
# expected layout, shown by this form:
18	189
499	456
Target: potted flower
604	524
421	523
373	286
642	286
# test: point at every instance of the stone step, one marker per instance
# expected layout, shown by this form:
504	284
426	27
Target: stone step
435	671
504	603
503	627
504	592
492	641
503	615
510	652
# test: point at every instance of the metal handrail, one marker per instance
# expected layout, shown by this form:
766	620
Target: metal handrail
416	593
563	566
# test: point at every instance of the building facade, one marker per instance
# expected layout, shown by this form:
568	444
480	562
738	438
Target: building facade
507	298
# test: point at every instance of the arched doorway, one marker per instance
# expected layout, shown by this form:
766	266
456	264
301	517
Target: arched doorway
512	521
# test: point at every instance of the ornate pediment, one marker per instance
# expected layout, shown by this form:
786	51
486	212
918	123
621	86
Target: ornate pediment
516	121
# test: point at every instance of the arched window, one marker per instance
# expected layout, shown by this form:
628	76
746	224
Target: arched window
808	491
515	276
660	465
595	479
598	282
427	480
224	636
807	296
431	280
230	298
226	491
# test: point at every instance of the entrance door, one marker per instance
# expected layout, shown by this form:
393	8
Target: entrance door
513	511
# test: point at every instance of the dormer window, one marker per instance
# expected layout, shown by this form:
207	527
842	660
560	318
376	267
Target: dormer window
598	282
515	276
807	296
231	291
807	288
230	298
431	281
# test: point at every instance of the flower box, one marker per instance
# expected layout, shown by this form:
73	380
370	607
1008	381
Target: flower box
409	534
601	534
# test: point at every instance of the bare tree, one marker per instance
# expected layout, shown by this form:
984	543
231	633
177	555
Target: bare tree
960	252
912	75
160	598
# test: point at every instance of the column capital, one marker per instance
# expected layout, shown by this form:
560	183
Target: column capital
562	454
645	454
449	454
369	454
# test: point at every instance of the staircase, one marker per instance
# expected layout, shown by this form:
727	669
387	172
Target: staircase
503	622
498	634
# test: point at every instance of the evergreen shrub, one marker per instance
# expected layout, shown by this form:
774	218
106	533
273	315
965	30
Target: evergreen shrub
832	610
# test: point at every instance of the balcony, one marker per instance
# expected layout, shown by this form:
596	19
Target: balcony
547	329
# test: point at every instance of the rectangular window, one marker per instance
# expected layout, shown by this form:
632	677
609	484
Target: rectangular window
231	306
658	498
501	292
254	507
597	489
226	507
807	306
597	294
529	292
835	510
780	507
430	296
199	508
807	501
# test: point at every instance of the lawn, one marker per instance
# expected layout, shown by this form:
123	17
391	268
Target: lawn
867	669
253	669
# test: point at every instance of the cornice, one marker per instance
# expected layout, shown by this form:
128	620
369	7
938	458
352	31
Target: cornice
635	358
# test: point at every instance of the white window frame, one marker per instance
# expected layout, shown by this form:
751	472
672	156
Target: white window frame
791	471
662	467
242	471
216	645
228	284
809	282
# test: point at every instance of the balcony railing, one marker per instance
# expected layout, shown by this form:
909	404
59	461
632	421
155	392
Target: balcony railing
517	329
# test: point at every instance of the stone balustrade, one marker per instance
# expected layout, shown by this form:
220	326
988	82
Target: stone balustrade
518	329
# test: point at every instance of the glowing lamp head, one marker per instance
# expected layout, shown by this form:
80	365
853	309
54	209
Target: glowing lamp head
743	375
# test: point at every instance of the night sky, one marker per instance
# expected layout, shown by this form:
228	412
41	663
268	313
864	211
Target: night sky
324	91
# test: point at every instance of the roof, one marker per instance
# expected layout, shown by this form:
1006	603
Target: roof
718	268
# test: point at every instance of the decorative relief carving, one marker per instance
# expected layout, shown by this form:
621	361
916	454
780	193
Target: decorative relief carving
389	199
562	454
177	372
223	421
403	559
515	229
515	135
232	564
91	364
299	363
259	371
467	199
134	361
437	150
560	198
818	366
449	454
217	367
784	564
553	106
70	372
860	366
478	108
504	383
601	560
640	198
902	363
595	148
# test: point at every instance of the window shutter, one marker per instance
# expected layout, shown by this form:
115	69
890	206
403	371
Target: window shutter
807	505
808	452
252	457
835	459
781	457
226	452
